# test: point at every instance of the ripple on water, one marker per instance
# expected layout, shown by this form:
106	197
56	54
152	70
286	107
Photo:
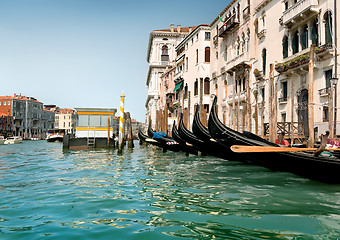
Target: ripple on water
147	194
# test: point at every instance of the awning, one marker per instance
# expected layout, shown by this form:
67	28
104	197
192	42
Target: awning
178	86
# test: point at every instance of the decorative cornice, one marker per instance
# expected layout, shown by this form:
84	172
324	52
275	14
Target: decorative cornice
261	5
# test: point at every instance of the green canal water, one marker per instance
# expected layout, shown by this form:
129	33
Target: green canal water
48	193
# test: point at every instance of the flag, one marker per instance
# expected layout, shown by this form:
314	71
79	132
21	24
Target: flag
221	20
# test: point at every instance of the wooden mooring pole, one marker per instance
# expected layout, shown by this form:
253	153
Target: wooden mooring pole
310	97
121	124
273	110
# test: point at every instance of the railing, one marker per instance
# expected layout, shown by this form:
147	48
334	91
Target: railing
324	91
283	99
297	9
228	25
215	40
246	12
287	128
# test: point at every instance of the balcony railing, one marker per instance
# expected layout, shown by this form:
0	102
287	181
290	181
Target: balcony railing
283	99
302	6
228	25
324	91
215	40
246	12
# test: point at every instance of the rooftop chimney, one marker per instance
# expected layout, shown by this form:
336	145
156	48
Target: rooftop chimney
172	27
179	28
190	29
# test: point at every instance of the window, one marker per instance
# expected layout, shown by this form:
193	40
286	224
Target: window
328	76
4	103
304	38
315	33
206	86
285	90
283	117
165	55
285	47
216	90
264	61
328	27
207	36
187	63
0	103
196	56
206	108
186	92
64	124
9	103
262	94
295	42
196	88
325	116
286	5
83	120
207	54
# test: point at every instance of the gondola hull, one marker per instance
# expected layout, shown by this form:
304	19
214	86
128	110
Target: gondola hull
324	169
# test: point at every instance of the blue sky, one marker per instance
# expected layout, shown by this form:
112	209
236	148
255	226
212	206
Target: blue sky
84	53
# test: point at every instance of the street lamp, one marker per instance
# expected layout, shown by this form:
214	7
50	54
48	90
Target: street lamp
334	81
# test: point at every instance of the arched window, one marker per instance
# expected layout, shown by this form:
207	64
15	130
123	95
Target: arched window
264	61
238	46
186	92
207	54
315	33
285	47
328	27
216	89
206	86
165	54
304	38
196	88
196	56
295	42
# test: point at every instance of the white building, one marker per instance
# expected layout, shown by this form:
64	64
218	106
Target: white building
193	72
161	53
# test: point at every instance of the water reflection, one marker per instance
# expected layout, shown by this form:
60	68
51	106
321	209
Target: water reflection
144	193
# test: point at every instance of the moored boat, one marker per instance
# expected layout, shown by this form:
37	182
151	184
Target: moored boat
177	138
13	140
2	140
324	169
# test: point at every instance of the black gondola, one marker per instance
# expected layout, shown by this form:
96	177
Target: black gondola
191	138
216	148
324	169
177	138
168	143
145	138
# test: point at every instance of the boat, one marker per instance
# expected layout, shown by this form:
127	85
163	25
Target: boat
177	138
191	138
215	148
146	139
305	164
2	140
167	143
35	139
13	140
55	135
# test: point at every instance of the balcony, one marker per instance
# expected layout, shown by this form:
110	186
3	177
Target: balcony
283	99
215	40
324	92
299	11
229	25
246	12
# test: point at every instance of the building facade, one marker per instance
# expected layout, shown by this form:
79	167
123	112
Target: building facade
24	116
160	55
65	119
260	55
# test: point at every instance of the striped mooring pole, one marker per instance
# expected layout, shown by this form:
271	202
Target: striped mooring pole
121	123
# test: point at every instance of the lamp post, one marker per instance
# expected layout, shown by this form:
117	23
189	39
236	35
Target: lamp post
334	81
